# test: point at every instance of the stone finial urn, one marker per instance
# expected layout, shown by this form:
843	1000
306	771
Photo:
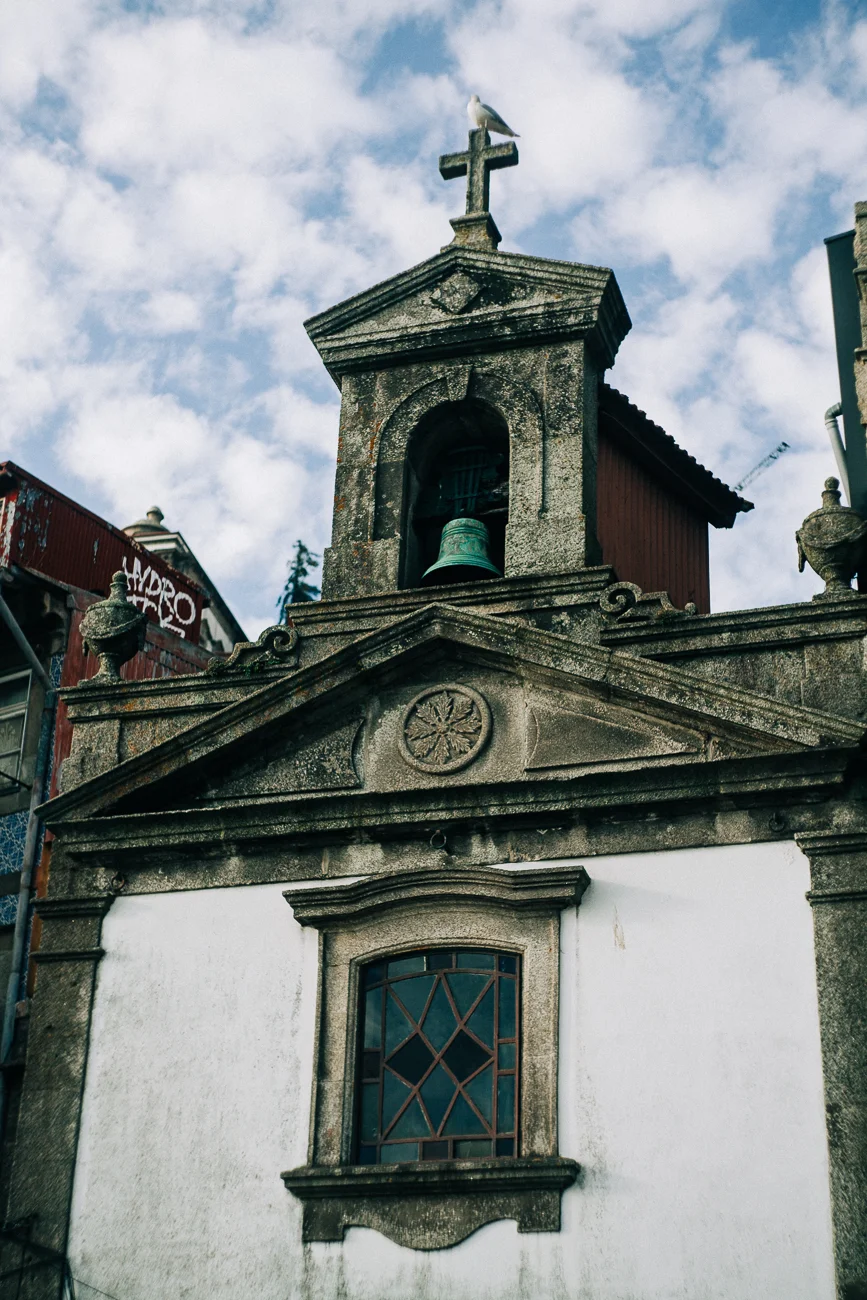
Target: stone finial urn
833	541
114	630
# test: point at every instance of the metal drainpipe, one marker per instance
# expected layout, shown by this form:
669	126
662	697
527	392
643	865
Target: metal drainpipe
831	416
31	843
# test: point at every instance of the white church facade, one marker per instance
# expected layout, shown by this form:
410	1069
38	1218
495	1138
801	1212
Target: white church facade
495	928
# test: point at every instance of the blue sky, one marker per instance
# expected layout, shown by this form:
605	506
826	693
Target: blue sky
182	184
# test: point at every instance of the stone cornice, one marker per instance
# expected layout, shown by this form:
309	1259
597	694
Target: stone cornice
46	955
556	661
500	596
831	842
200	693
838	861
304	818
581	301
537	889
579	276
69	909
734	632
817	896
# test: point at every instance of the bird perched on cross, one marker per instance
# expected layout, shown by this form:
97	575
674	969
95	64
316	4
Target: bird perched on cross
482	115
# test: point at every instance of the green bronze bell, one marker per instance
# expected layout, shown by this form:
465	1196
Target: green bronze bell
463	554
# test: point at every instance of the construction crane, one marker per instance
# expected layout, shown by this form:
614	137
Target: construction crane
764	464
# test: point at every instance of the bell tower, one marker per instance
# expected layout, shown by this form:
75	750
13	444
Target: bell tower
469	391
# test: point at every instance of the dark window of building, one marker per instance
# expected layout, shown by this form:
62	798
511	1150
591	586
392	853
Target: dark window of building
14	695
439	1057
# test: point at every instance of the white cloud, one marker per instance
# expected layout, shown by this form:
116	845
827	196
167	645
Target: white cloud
184	93
180	188
171	312
388	208
32	47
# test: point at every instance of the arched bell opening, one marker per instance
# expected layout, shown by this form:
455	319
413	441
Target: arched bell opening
457	469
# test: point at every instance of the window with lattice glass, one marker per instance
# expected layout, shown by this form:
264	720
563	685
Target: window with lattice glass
14	696
439	1058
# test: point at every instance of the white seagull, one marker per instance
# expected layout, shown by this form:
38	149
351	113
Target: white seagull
483	115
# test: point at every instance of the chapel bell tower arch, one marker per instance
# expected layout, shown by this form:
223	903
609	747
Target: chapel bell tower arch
474	363
457	479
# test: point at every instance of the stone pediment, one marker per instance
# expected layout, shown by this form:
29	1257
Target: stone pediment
445	699
468	299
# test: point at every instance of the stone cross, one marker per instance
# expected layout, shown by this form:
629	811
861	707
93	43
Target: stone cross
477	163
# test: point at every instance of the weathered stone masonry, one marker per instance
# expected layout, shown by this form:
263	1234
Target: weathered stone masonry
609	723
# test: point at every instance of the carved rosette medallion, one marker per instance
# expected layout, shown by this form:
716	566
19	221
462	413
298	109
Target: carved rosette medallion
444	729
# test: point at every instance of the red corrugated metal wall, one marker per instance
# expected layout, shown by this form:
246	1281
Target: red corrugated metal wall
647	533
44	531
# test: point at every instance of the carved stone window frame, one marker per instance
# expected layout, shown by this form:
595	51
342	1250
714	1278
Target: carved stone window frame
433	1204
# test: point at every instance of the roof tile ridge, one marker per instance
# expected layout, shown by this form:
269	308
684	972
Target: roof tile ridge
615	392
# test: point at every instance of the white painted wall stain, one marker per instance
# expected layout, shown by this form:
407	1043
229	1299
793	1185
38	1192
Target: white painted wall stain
690	1090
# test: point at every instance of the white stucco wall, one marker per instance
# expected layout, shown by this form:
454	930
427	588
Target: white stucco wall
690	1091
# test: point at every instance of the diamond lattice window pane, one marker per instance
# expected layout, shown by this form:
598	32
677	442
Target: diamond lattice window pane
481	1022
413	1060
436	1093
463	1119
466	989
373	1019
480	1091
412	1123
394	1094
414	994
464	1056
440	1022
432	1085
397	1026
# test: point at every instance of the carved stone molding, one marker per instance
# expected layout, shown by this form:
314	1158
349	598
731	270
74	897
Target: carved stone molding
456	293
277	647
838	865
537	889
838	896
67	909
396	1199
444	728
431	1205
73	927
816	896
829	843
833	541
68	954
113	630
624	601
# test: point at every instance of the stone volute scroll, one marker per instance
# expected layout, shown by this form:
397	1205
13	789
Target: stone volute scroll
833	541
444	729
113	630
277	647
624	601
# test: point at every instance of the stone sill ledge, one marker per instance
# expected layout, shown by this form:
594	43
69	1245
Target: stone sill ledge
441	1176
432	1204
